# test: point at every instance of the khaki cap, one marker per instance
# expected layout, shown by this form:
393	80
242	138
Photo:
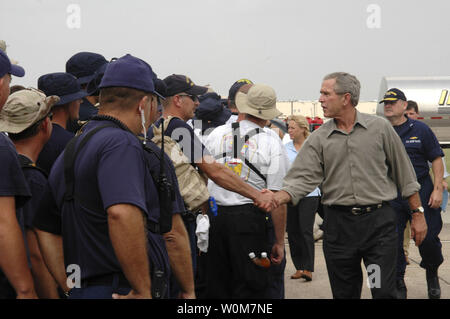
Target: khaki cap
260	101
24	108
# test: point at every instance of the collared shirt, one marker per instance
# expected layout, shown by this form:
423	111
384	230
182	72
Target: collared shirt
362	167
263	150
54	146
421	145
292	154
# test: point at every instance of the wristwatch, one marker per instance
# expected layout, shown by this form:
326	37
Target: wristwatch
418	210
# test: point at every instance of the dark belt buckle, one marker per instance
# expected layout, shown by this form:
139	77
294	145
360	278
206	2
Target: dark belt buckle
356	211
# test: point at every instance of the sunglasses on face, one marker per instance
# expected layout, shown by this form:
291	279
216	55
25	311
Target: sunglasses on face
194	98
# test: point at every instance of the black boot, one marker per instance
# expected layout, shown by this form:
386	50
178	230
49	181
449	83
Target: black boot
434	289
401	289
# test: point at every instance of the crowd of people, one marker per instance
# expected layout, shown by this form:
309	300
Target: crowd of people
118	184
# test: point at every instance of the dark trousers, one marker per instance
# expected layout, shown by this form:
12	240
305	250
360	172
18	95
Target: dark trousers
97	292
235	232
370	237
275	290
300	224
431	248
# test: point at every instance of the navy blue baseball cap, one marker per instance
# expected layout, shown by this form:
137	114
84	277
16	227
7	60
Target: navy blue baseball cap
7	67
83	65
130	72
62	84
177	83
393	95
211	111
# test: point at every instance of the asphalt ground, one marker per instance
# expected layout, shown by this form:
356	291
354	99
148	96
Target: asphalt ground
319	287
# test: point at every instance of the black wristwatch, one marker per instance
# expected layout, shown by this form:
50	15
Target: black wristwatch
418	210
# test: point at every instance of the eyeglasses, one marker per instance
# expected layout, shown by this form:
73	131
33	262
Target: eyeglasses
192	97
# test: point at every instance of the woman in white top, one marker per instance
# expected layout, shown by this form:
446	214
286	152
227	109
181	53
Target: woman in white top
300	218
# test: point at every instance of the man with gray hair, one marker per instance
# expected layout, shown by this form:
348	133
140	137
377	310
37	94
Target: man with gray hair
360	161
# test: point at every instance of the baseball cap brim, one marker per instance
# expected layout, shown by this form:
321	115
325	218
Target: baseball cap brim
196	90
17	70
64	99
389	99
85	79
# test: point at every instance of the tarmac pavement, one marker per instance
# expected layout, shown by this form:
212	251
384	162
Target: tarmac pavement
319	287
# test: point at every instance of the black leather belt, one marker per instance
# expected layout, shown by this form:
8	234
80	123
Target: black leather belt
358	210
117	279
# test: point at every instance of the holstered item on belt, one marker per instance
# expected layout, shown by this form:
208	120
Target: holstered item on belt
159	285
188	216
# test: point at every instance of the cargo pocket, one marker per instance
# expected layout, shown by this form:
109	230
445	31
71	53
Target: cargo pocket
250	235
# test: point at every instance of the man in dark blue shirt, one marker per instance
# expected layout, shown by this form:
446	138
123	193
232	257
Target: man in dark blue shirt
422	147
106	224
66	110
14	192
83	65
25	117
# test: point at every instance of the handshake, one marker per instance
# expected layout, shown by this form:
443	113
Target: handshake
268	200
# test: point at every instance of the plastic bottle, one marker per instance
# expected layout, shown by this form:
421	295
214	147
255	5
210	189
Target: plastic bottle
265	262
261	262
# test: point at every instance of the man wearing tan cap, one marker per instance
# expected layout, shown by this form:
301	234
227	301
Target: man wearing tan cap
14	192
25	117
239	232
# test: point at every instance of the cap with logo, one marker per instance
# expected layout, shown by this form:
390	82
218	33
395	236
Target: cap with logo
393	95
260	101
7	67
62	84
236	86
25	108
177	83
83	65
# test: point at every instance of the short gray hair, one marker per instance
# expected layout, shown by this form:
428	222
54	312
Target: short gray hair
346	83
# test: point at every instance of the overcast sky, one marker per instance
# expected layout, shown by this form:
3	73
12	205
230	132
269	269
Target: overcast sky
287	44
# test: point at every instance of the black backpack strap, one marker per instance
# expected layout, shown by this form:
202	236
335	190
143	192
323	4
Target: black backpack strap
247	162
166	196
70	154
238	144
25	163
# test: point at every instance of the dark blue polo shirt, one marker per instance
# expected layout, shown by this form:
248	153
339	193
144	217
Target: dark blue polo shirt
184	135
109	170
12	180
12	184
37	182
421	145
55	145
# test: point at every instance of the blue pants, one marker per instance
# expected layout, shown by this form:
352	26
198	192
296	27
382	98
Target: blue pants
97	292
431	248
